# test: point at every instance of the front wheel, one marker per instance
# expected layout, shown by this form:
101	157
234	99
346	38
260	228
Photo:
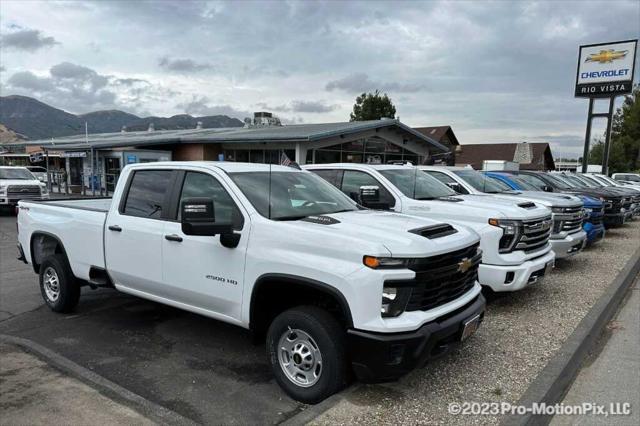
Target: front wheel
59	288
306	349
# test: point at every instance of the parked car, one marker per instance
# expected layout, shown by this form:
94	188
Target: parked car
593	223
18	183
514	235
627	177
567	237
556	182
627	197
39	172
273	249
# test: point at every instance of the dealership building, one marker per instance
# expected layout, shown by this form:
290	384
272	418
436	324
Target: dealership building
261	140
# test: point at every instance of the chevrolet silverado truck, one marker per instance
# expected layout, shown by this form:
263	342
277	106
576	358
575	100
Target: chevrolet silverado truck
330	286
603	182
18	183
567	237
593	223
514	236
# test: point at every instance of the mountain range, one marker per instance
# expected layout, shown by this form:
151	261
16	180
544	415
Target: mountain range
36	120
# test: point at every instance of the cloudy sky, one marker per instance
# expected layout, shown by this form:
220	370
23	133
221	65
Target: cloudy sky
495	71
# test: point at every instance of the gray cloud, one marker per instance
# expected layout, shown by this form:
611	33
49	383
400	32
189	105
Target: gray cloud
183	65
201	105
27	40
300	106
30	81
360	82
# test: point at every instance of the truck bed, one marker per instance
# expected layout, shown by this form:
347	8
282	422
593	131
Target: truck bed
78	224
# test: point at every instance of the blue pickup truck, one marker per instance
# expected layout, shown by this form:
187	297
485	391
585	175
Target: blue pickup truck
593	223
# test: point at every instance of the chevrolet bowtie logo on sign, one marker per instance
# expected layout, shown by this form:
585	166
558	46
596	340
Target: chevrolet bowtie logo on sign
606	69
608	55
465	265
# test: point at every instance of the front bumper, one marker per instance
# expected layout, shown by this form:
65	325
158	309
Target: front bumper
12	201
614	219
383	357
515	277
569	245
594	232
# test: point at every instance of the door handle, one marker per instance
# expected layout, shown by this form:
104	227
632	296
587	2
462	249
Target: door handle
115	228
173	237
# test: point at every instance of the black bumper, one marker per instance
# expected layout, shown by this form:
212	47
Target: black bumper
383	357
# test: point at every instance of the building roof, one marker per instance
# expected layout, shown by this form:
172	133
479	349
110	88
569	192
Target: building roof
438	133
290	133
531	156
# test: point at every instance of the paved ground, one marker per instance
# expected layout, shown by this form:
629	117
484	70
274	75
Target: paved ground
612	376
34	393
203	369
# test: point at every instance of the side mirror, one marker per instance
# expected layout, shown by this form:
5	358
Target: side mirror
455	186
547	188
198	217
369	196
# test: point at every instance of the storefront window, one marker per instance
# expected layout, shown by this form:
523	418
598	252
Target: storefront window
370	151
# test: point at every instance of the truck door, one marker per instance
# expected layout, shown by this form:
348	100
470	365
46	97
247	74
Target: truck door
198	270
135	231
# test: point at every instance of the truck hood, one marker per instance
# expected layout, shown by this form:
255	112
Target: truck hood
388	231
490	206
7	182
545	198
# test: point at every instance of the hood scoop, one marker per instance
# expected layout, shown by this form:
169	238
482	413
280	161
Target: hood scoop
450	199
435	231
527	205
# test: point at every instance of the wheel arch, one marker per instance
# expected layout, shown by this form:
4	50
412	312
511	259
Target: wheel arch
269	288
43	244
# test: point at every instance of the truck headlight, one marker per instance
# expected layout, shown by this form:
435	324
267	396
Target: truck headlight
3	189
510	233
374	262
394	300
557	209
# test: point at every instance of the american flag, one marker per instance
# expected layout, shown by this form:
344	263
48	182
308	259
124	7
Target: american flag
284	160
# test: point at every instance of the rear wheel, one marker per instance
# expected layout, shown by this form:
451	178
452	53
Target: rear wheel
306	349
59	288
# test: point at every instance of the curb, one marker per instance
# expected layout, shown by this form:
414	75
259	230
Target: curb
151	410
555	379
313	411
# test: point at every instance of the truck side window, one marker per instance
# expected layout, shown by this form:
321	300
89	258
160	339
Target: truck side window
201	185
147	193
352	181
331	176
447	180
533	180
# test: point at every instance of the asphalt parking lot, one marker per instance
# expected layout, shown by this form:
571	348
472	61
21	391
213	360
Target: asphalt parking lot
209	372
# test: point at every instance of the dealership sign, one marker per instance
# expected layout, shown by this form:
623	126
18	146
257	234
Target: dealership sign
606	69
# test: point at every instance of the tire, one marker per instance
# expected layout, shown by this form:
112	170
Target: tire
58	286
302	328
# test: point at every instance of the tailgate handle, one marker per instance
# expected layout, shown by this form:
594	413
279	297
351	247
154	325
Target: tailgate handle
115	228
173	237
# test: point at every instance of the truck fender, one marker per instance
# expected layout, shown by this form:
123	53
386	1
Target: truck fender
34	259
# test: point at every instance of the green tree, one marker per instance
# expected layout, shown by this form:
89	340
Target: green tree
373	106
625	137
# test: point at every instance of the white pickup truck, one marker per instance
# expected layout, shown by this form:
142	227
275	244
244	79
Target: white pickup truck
514	235
567	214
273	249
18	183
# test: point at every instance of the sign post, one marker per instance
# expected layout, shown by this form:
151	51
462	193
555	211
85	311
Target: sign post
605	70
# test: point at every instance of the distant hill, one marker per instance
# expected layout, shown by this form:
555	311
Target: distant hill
37	120
8	136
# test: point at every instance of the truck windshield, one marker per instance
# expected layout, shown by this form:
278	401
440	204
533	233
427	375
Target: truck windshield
526	186
558	182
291	195
481	182
18	174
417	184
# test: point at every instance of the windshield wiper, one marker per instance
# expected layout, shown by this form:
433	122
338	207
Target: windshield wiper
298	217
340	211
425	198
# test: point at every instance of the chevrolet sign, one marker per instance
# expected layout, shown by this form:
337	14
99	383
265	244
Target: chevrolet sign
605	69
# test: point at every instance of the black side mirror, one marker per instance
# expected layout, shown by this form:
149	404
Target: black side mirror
199	218
547	188
369	196
455	186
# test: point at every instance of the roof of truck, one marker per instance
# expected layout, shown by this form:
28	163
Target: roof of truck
227	166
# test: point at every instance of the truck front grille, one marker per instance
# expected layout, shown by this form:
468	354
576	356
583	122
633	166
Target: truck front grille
569	220
535	234
443	278
23	190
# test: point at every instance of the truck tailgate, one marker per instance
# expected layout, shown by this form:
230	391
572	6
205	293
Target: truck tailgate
77	224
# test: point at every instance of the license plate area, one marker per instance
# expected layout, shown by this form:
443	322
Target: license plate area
470	327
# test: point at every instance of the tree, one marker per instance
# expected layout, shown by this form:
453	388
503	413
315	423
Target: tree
625	137
373	106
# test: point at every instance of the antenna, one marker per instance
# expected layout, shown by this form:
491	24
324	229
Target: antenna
269	199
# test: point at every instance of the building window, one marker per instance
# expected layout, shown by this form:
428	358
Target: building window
371	151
